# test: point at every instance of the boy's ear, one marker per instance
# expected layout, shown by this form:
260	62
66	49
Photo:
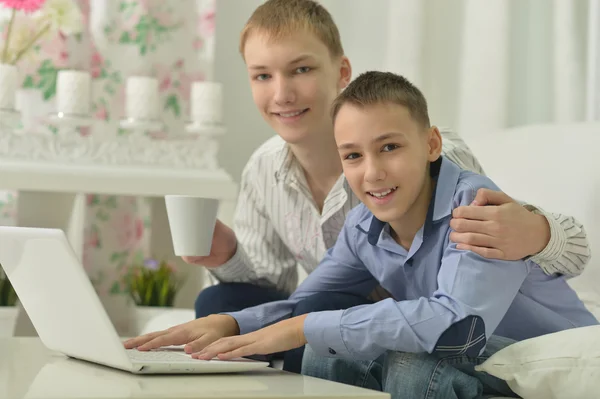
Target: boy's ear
434	140
345	73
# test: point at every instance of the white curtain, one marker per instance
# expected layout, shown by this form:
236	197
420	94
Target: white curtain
483	65
593	70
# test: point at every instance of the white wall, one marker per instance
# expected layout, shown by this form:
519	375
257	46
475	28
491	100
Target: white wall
246	128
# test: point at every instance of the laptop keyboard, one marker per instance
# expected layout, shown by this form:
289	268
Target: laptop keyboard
166	356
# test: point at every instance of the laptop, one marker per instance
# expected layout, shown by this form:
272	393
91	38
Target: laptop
68	315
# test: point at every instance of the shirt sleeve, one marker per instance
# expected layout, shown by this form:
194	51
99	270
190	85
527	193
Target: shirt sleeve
261	257
455	149
341	270
568	251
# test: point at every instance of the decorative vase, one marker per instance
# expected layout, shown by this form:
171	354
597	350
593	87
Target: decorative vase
8	86
10	118
8	320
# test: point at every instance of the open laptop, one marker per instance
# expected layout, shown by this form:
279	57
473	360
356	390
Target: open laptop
68	316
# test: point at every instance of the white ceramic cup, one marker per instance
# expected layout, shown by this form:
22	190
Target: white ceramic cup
192	223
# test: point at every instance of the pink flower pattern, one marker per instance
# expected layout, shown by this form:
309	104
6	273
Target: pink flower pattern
207	22
97	63
23	5
175	83
128	230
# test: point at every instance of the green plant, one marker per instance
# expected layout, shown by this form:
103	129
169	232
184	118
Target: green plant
153	283
8	296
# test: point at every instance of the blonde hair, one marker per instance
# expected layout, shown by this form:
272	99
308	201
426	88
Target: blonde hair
372	88
281	18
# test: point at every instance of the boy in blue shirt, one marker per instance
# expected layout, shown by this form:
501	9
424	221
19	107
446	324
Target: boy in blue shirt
449	309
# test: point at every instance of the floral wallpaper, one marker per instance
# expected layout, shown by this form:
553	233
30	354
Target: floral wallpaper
171	40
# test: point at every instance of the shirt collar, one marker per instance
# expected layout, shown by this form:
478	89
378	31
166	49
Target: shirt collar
285	170
283	163
440	207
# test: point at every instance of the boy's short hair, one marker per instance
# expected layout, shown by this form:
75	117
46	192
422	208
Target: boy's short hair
371	88
281	18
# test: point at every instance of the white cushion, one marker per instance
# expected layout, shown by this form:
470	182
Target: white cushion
560	365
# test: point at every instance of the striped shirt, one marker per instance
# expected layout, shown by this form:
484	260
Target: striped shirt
279	227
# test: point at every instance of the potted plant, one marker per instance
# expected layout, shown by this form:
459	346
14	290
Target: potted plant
8	306
153	286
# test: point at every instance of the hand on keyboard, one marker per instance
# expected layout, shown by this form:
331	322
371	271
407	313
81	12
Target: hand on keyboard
195	335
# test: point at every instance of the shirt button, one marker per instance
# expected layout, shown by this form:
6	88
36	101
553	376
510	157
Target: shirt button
332	351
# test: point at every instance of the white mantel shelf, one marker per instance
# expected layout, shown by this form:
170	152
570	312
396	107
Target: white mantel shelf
147	181
121	166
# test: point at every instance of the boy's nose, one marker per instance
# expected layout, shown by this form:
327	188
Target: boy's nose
374	171
284	92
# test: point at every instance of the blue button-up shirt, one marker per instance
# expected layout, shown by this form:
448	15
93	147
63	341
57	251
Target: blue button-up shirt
445	300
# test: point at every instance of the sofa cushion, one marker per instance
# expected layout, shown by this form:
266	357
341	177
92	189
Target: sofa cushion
560	365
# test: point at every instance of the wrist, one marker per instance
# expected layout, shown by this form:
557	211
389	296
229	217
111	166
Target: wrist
223	258
542	234
228	256
229	324
232	252
300	329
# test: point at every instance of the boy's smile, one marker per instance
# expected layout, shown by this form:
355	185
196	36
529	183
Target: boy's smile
291	117
382	196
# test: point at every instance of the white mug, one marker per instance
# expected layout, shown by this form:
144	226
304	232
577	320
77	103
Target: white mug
192	222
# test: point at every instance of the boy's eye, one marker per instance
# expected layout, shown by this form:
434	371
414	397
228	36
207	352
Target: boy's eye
303	69
389	147
262	76
352	156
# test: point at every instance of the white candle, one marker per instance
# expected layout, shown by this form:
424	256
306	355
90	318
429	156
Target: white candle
207	102
142	98
8	86
73	92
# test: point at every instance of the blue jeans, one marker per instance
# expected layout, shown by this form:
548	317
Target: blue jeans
414	375
233	297
292	360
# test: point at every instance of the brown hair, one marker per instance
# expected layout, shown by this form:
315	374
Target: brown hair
373	87
281	18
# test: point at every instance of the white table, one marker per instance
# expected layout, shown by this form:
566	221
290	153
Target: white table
29	370
53	173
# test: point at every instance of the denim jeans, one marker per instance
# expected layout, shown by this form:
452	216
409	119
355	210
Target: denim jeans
292	360
233	297
414	375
